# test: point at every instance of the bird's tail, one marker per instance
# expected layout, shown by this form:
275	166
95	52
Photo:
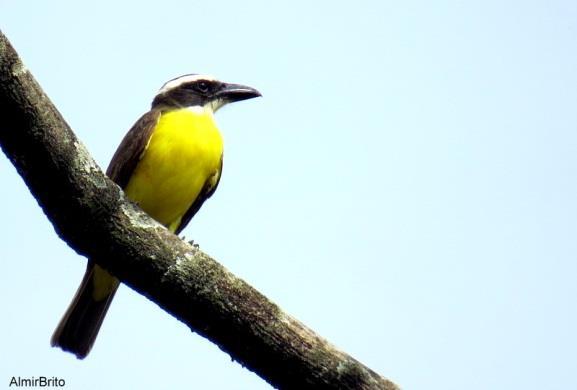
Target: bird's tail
80	324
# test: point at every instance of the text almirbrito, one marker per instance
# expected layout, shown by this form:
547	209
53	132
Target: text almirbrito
41	381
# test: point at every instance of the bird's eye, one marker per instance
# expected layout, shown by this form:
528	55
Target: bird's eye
202	86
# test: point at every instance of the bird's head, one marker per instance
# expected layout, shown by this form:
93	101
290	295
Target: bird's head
200	91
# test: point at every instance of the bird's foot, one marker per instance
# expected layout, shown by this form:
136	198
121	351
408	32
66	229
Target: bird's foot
190	242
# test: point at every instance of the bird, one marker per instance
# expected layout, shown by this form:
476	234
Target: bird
169	163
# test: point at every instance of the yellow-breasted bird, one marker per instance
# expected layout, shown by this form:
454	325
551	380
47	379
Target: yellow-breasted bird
169	163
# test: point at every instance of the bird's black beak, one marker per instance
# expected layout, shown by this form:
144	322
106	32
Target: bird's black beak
236	92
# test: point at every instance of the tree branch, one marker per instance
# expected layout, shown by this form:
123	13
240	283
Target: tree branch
91	214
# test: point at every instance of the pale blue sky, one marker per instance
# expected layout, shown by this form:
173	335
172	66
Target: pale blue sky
405	186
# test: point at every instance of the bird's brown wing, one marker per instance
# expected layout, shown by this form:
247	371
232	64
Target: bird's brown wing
131	148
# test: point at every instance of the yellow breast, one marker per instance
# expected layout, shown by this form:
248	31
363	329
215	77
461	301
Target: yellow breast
184	151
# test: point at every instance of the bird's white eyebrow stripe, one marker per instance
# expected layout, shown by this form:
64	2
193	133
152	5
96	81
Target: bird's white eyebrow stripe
188	78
